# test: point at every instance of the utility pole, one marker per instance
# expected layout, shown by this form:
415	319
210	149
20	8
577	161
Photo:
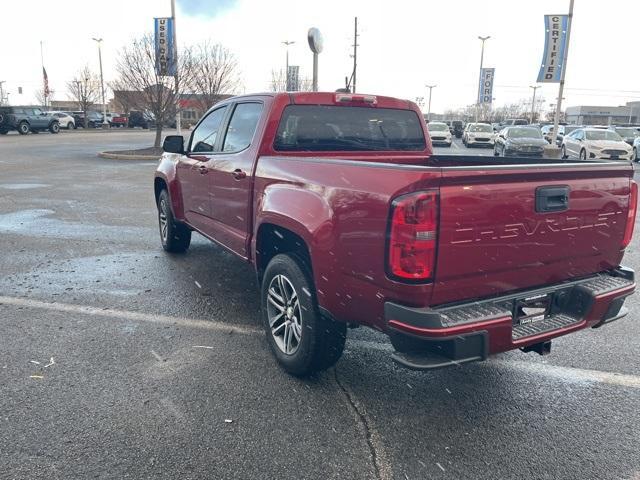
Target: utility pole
533	102
556	119
175	65
483	39
286	70
355	51
430	87
105	124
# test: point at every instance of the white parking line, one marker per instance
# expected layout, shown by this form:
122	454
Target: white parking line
128	315
566	374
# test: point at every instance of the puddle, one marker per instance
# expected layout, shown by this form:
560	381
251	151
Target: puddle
22	186
39	223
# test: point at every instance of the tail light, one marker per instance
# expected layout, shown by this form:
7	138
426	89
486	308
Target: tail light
351	98
631	214
413	235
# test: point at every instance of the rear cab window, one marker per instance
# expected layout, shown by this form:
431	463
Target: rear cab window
324	128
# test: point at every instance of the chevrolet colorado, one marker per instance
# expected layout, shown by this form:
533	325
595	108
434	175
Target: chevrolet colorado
350	219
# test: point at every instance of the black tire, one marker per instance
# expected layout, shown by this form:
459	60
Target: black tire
634	158
54	127
321	340
71	126
23	128
583	154
495	151
564	152
175	236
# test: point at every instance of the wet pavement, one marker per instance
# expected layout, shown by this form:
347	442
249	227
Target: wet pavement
120	361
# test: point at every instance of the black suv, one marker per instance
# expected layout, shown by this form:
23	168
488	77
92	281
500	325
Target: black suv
27	119
457	127
94	119
141	119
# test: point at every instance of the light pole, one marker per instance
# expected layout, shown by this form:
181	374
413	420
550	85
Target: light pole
483	39
286	43
533	101
105	124
430	87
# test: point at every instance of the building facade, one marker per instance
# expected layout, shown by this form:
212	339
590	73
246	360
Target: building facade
603	115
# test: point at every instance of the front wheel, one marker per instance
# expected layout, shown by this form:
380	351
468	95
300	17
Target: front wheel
564	152
302	341
175	236
583	154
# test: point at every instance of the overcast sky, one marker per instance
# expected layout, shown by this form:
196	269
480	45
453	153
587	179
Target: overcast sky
403	44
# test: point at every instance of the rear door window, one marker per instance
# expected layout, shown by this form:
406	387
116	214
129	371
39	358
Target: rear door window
342	128
242	127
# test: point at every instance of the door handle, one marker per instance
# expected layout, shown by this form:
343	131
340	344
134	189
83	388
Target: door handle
203	170
239	174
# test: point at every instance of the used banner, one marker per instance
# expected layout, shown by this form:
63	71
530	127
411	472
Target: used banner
555	43
486	85
165	54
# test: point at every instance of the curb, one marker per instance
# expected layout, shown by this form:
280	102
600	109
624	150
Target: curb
121	156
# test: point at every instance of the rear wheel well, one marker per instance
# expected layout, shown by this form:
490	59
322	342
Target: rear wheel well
272	240
158	185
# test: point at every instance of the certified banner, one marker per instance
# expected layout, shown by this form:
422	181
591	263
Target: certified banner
555	43
165	54
485	92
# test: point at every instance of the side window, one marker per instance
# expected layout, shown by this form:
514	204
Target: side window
579	135
204	136
37	111
242	127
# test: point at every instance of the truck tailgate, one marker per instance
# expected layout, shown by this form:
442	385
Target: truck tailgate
505	228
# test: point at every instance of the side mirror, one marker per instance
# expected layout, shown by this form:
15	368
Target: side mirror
173	144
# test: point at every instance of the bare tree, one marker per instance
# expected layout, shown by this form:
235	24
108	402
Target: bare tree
84	89
41	98
215	73
278	82
149	91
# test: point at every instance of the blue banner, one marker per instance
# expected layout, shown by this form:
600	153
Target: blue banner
555	44
485	92
165	49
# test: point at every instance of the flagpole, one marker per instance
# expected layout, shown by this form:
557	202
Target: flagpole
556	119
44	86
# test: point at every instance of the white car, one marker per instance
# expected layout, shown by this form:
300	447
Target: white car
636	149
478	134
595	143
439	133
64	120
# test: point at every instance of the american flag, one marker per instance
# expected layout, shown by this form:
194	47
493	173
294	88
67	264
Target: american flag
46	82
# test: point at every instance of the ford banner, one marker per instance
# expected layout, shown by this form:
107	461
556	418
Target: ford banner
165	55
555	43
486	85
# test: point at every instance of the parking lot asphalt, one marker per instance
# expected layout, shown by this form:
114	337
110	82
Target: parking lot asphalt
120	361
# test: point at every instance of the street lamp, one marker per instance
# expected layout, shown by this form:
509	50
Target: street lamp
105	124
430	87
533	101
286	43
483	39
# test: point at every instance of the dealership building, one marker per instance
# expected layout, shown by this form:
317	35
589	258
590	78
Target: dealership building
594	115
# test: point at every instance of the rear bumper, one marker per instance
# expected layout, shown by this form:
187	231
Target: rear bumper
427	338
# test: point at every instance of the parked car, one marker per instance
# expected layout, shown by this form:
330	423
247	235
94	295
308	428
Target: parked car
117	119
64	119
547	132
94	119
348	218
636	149
628	134
140	119
458	128
27	119
439	133
595	143
478	134
515	121
521	141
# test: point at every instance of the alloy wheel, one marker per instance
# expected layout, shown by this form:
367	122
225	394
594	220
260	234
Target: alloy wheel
285	314
162	217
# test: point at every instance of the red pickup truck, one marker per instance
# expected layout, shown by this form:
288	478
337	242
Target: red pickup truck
350	219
